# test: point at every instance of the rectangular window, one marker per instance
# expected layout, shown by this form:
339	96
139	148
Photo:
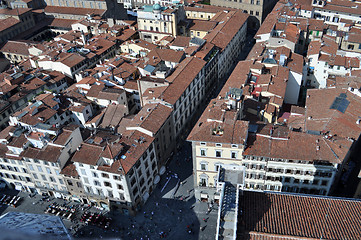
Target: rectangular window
48	170
82	171
218	153
86	180
203	152
107	184
110	193
52	179
31	167
350	47
40	169
100	192
43	177
203	166
105	175
234	155
35	176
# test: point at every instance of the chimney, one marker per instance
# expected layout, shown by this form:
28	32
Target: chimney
83	37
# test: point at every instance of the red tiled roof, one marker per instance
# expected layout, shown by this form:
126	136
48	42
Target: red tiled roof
183	75
151	117
319	116
70	170
17	47
14	12
297	146
88	154
49	153
63	23
7	23
201	25
225	31
285	215
74	11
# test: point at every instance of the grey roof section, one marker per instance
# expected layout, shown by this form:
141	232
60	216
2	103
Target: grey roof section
149	68
197	41
19	225
340	103
236	92
270	60
233	176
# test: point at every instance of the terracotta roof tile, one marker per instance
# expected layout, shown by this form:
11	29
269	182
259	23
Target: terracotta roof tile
151	117
278	216
88	154
17	47
73	10
8	23
183	75
230	130
70	170
225	31
202	25
49	153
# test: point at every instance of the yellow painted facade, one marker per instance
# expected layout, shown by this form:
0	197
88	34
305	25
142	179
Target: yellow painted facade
210	157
